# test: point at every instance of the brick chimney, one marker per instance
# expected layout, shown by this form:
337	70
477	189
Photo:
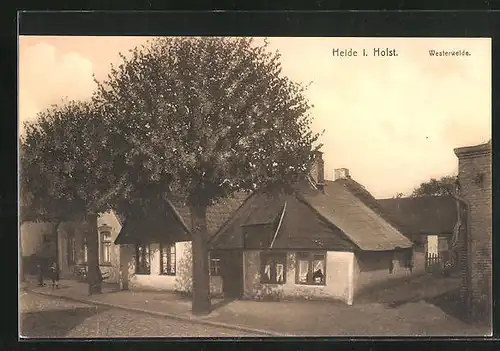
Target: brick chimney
318	169
341	173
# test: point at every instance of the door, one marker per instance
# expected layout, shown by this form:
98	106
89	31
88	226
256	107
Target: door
232	274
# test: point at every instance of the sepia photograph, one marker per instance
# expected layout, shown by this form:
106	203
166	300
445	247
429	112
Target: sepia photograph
232	187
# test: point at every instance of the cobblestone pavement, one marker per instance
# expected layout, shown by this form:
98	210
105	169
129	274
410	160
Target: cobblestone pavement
47	317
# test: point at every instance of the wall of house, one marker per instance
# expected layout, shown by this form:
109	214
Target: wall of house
339	278
478	193
36	238
31	235
109	269
372	269
66	269
180	282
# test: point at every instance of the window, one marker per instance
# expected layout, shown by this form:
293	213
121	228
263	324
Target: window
142	259
167	259
85	250
273	268
106	247
310	268
71	249
215	266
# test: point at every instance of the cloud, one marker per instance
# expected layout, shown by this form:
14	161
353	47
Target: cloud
46	76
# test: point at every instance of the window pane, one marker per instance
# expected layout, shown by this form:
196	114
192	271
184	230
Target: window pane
280	269
215	266
106	236
107	253
267	271
303	255
303	270
320	257
167	259
172	264
318	271
143	259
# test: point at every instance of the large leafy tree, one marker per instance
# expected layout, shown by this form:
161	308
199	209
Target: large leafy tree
200	118
436	187
66	171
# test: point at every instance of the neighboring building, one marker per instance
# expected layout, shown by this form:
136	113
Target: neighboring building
474	176
327	240
155	252
428	221
72	247
68	246
37	239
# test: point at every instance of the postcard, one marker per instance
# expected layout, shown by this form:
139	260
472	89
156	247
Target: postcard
148	170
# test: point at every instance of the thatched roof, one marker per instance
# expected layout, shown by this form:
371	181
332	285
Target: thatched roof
428	215
335	219
363	225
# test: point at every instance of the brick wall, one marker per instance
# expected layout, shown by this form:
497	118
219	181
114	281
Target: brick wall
475	183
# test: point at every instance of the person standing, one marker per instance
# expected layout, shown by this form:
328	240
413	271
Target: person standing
40	270
54	275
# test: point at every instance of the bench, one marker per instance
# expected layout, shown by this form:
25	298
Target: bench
80	271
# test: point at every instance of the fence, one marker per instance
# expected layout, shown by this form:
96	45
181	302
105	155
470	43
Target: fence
435	262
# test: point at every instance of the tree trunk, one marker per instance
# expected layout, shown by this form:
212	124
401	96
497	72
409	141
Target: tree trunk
92	254
201	277
56	235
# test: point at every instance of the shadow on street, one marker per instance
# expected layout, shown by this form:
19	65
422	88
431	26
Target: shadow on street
55	323
450	303
222	303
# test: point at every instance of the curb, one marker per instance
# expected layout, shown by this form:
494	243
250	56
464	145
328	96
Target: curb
196	320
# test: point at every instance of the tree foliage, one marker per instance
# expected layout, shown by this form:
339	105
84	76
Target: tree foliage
65	168
398	195
198	119
66	171
436	187
206	116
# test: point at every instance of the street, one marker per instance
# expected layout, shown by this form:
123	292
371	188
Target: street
46	317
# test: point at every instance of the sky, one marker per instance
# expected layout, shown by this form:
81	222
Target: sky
392	121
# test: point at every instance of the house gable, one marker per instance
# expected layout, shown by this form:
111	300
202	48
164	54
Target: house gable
300	228
174	224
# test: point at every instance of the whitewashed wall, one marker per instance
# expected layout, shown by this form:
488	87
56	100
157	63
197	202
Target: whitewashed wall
111	270
372	273
31	235
339	278
180	282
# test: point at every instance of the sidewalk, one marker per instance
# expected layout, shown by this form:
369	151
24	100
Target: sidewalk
285	318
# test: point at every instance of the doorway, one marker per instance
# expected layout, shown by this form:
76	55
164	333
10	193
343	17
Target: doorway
232	274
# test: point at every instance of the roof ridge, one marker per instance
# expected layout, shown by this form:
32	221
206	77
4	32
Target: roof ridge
279	225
